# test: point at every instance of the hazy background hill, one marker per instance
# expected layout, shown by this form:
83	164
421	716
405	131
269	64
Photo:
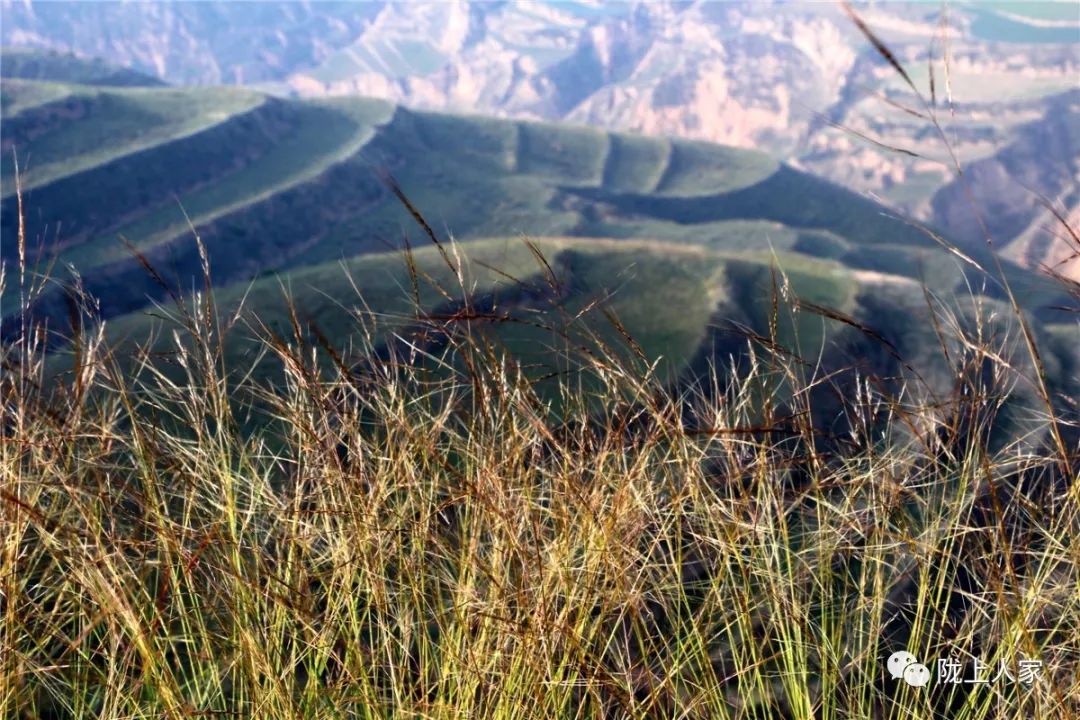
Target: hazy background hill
771	76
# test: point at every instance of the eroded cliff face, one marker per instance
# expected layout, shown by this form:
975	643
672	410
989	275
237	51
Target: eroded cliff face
204	43
708	71
1007	196
795	79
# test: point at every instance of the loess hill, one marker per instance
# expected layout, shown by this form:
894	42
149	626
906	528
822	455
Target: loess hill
678	238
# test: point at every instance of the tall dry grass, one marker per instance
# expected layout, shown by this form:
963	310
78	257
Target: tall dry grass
403	542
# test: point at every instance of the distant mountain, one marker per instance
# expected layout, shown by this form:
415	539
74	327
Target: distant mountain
777	77
1005	194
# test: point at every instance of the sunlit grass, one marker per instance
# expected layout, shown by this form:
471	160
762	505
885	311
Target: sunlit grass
403	541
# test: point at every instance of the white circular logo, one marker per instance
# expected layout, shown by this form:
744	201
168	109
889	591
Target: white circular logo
898	662
917	675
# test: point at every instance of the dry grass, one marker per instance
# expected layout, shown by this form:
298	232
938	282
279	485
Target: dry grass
404	541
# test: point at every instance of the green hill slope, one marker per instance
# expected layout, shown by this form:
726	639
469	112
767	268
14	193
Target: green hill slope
665	295
666	292
274	185
31	64
684	306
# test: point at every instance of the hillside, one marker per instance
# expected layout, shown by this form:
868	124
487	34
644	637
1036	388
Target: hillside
664	292
300	183
682	232
685	306
775	77
50	65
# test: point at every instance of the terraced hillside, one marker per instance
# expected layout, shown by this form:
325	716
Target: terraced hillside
755	75
553	303
272	184
683	233
62	131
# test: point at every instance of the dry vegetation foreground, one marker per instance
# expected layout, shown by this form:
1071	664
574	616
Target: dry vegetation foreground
430	540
